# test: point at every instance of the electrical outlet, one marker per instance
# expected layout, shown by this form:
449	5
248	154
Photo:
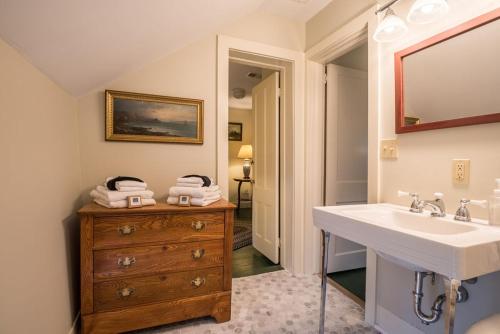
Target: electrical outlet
461	171
389	149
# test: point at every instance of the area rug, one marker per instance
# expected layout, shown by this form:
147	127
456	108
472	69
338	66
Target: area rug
242	234
278	302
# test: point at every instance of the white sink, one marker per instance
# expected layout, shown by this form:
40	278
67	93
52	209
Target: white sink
417	241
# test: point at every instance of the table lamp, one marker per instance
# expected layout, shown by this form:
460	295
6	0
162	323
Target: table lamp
246	154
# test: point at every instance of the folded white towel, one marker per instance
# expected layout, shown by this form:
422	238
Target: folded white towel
194	201
194	180
122	188
112	195
193	192
189	185
138	184
122	203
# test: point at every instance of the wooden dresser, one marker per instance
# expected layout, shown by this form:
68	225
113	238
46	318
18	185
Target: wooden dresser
155	265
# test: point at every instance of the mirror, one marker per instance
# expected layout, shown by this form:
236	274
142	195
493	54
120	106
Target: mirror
452	79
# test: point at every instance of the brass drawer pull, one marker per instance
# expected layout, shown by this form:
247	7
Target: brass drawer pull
197	282
126	230
126	262
197	253
198	225
126	292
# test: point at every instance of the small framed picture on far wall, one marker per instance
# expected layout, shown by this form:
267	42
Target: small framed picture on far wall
235	131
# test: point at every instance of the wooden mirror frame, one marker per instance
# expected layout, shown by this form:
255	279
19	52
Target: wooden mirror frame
398	71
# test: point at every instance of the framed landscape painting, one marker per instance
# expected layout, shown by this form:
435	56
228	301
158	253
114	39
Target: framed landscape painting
235	131
153	118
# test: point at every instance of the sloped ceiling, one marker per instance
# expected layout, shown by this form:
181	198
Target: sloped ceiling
83	44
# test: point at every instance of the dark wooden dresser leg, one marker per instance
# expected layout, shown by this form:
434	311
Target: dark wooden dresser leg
222	310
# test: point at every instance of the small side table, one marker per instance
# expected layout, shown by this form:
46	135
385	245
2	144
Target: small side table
240	182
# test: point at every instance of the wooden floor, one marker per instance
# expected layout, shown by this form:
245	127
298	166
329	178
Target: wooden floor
248	261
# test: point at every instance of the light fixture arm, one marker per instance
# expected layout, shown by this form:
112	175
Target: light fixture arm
386	6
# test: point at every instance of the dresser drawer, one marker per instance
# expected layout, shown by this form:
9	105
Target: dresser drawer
117	231
159	258
129	292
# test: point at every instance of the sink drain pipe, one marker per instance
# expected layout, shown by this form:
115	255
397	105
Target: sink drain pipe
418	295
436	309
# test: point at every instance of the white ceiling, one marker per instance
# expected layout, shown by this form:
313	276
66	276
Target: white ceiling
238	78
83	44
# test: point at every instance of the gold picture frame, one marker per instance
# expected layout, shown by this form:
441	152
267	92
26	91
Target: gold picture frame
153	118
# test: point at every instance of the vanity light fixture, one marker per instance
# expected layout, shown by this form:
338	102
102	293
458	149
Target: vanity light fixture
427	11
391	28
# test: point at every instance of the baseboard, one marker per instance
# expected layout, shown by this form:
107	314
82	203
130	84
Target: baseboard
75	328
387	322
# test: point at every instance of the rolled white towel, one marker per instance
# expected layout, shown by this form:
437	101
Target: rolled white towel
194	201
194	180
122	188
122	203
189	185
203	202
137	184
113	195
193	192
129	183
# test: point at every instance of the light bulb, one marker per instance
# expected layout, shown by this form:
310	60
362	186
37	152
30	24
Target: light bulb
427	11
391	28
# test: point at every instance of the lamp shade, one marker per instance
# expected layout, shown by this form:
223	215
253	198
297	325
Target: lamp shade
391	28
245	152
427	11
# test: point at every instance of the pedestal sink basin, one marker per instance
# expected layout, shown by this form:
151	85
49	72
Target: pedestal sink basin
417	240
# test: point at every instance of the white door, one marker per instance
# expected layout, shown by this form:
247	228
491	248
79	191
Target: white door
346	152
265	217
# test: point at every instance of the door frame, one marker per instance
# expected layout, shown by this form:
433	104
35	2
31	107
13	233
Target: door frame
292	138
348	37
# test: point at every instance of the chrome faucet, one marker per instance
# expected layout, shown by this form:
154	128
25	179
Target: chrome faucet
438	209
437	206
463	213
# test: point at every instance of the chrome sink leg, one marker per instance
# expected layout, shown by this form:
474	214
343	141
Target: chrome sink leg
451	287
324	268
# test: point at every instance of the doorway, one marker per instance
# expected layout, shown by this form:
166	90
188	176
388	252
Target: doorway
253	164
346	160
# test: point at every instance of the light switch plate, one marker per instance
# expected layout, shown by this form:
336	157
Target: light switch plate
461	171
389	149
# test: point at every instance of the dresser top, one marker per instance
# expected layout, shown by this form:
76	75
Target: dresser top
160	207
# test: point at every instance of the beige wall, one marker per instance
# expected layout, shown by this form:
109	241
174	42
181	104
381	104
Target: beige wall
244	116
190	72
40	189
332	17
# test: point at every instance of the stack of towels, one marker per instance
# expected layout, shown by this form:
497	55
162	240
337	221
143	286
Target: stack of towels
114	192
202	190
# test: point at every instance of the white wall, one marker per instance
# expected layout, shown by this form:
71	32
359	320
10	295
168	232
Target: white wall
244	116
356	59
40	170
424	166
190	72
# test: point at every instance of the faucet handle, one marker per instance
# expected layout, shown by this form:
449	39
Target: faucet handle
415	204
438	195
482	203
463	213
405	193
